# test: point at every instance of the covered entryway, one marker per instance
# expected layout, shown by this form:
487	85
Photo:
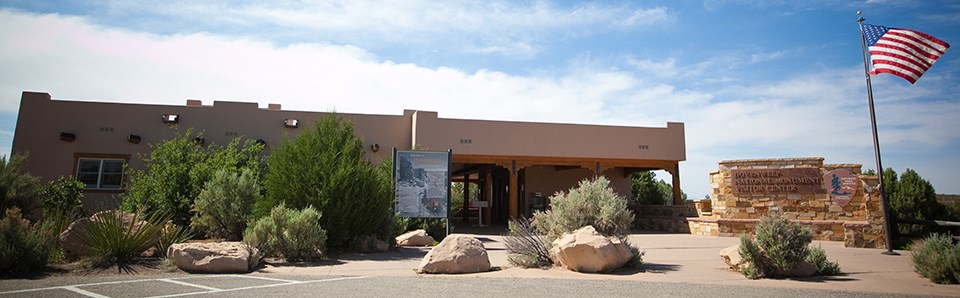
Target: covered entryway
515	186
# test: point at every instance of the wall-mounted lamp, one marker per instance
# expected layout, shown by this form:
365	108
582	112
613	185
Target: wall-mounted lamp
261	142
375	147
134	139
291	123
171	118
68	137
199	140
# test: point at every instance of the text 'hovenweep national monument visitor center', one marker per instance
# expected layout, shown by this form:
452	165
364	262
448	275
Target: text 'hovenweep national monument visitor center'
516	164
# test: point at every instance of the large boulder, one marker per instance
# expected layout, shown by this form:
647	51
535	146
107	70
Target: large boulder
731	256
586	250
456	254
415	238
71	241
370	243
222	257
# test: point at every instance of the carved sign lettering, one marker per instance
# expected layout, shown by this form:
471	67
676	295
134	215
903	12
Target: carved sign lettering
776	181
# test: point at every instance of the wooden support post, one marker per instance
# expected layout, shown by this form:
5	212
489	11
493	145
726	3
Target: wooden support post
488	186
677	196
514	190
466	198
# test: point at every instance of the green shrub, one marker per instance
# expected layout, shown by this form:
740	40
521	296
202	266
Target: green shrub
17	188
818	257
224	206
781	246
435	227
62	196
171	234
592	202
177	170
295	235
23	248
937	258
637	259
118	238
527	248
325	167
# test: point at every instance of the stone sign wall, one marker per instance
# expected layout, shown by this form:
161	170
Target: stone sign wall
832	199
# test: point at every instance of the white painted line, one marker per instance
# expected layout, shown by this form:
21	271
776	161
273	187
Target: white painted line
268	278
190	284
83	292
264	286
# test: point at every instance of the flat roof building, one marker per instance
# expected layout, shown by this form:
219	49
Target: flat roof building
511	161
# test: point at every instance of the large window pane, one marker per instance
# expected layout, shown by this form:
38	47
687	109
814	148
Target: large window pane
89	180
113	166
89	166
110	180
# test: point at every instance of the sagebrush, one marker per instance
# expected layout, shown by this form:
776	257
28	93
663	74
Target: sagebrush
779	247
23	247
293	234
937	258
225	204
17	187
592	202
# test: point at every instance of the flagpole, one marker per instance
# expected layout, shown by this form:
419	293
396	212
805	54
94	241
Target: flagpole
887	219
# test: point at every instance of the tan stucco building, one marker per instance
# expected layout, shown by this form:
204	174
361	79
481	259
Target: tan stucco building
511	161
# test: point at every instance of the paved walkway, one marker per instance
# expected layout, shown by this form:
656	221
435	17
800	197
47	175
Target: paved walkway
676	258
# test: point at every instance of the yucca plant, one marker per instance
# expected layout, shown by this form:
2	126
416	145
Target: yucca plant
112	239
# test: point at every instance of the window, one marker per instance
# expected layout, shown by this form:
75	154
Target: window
100	173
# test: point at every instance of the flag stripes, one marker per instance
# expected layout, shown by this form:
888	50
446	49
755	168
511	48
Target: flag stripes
902	52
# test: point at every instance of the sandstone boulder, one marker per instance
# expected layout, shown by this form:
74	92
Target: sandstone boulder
456	254
586	250
415	238
223	257
731	256
369	243
70	239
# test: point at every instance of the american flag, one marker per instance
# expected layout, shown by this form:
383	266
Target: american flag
902	52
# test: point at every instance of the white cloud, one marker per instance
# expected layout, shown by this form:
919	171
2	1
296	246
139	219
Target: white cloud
814	114
763	57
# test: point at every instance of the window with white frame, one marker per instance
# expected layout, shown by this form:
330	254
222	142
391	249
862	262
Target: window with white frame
100	173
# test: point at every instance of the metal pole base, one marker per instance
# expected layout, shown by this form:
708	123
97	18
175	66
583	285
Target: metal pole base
890	253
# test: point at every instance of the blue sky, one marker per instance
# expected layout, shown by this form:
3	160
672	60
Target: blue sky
750	79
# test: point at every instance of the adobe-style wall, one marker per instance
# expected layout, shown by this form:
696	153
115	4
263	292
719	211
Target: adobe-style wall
833	200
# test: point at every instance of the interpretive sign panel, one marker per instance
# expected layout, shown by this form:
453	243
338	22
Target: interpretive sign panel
776	181
422	180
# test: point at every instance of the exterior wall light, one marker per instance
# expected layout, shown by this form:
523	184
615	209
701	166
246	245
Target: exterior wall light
68	137
375	147
134	139
171	118
291	123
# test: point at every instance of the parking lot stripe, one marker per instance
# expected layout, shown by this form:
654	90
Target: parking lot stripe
83	292
190	284
267	278
263	286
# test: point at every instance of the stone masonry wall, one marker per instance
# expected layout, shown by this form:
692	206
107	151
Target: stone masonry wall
859	223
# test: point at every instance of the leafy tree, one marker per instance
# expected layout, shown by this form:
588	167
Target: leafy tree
62	197
648	190
456	196
325	167
17	188
915	198
177	170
